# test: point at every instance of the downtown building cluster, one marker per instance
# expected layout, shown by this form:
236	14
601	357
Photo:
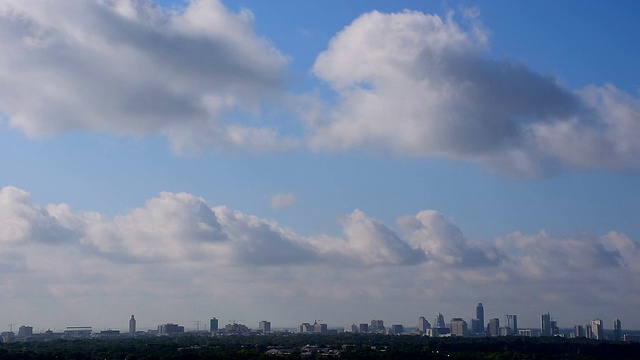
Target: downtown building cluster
456	327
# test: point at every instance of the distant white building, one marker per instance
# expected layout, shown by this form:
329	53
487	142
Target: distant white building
353	328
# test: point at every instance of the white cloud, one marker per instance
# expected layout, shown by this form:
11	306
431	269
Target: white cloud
129	67
367	242
419	85
177	253
283	200
443	241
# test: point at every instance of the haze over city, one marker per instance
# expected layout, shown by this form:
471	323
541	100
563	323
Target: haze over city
334	160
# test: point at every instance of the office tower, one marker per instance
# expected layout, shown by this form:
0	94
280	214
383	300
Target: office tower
439	321
578	331
25	331
480	317
213	325
458	327
597	330
476	327
545	329
512	324
587	331
132	325
305	328
423	325
396	329
493	328
364	328
170	328
264	326
377	325
320	328
617	330
353	328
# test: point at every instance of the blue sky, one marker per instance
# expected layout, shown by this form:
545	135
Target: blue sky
465	151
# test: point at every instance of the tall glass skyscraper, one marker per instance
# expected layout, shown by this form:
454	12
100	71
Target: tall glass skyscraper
480	317
545	326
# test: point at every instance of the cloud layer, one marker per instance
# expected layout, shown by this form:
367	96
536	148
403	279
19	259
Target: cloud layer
409	84
178	247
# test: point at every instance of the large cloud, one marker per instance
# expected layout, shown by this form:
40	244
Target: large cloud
178	252
420	85
444	242
129	67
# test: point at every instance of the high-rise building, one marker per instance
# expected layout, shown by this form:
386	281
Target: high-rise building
132	325
264	326
377	326
597	330
617	330
396	329
213	325
423	325
170	328
545	328
587	331
480	317
320	328
578	331
512	324
352	328
493	328
476	327
24	331
439	321
555	330
458	327
364	328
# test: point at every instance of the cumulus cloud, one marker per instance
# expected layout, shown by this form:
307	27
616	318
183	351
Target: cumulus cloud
23	221
443	241
130	67
261	242
178	248
367	242
420	85
283	200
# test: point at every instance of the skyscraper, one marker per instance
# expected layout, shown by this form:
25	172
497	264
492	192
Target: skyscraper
423	325
617	330
458	327
480	317
132	325
493	328
597	330
545	327
265	326
213	325
512	324
439	321
377	326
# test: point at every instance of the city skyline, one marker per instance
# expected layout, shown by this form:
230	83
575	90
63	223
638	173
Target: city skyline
594	327
335	160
